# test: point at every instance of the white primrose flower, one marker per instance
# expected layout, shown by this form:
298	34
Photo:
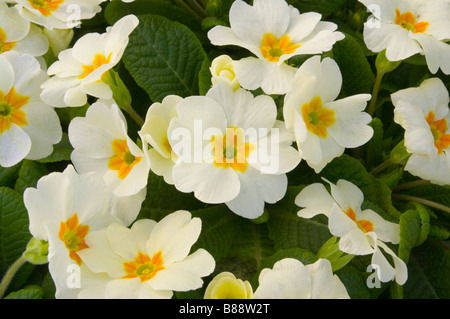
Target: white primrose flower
406	27
79	70
274	32
324	127
58	14
63	209
291	279
361	232
424	114
231	150
18	34
101	144
154	132
28	127
222	69
150	260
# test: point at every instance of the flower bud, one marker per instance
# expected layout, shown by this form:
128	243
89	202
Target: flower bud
222	70
226	286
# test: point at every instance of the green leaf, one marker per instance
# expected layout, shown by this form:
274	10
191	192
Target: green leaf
355	68
163	199
164	57
218	230
287	230
117	9
204	77
8	175
414	229
30	292
324	7
374	148
29	174
14	233
428	271
355	282
352	170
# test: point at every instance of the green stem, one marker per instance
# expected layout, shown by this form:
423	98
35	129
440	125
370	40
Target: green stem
134	115
382	166
376	89
409	185
198	8
10	274
182	4
423	201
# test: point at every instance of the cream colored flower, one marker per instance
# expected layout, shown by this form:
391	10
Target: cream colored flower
18	34
58	14
222	69
424	114
78	72
407	27
274	32
63	209
28	127
231	149
291	279
101	144
226	286
154	132
361	232
150	260
324	127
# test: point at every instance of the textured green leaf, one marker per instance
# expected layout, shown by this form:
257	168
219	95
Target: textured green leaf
8	175
164	57
14	233
163	198
287	230
30	292
324	7
117	9
356	71
29	174
218	230
204	77
355	282
428	271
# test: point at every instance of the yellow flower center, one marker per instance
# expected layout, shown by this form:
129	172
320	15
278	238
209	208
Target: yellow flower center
166	145
73	234
98	61
230	150
317	118
5	46
272	48
45	7
143	267
122	161
365	225
407	21
438	129
10	112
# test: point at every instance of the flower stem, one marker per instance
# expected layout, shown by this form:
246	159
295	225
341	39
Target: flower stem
382	166
409	185
10	274
134	115
182	4
376	89
423	201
